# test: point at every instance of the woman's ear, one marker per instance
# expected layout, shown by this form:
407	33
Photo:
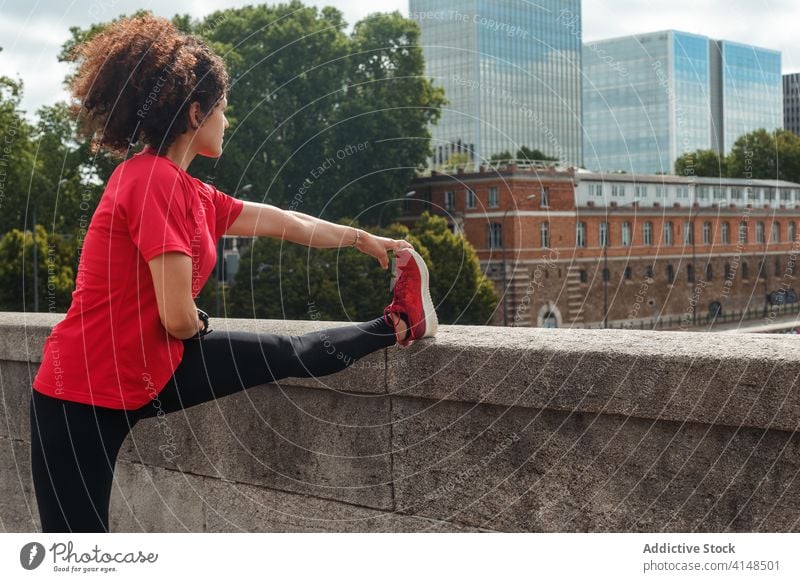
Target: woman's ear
195	114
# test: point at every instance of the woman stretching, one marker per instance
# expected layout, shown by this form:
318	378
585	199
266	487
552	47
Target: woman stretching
133	332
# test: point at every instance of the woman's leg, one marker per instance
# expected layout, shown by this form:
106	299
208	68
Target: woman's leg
223	363
74	449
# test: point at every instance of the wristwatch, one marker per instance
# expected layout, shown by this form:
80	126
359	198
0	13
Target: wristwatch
203	317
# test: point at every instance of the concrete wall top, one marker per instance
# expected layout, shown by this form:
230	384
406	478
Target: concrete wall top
715	378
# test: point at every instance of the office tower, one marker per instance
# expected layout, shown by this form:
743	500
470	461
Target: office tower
511	71
650	98
748	91
791	102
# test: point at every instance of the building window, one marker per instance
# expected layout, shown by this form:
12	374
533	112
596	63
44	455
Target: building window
626	234
702	192
786	195
706	233
690	273
776	232
745	270
544	234
493	201
628	273
682	191
495	235
743	233
661	192
449	200
472	202
603	232
791	232
760	232
770	194
640	191
728	272
617	190
726	233
778	266
648	272
736	194
719	193
580	234
709	272
668	233
584	276
544	192
688	233
647	233
606	275
762	269
426	199
596	190
670	274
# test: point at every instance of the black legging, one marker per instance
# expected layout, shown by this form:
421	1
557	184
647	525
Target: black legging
74	446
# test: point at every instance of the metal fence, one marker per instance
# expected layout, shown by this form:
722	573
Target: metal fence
766	312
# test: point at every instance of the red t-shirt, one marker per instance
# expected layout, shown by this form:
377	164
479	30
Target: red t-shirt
111	349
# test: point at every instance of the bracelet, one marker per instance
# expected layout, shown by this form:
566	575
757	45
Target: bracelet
358	236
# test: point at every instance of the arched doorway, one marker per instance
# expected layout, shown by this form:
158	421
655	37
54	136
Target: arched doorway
549	316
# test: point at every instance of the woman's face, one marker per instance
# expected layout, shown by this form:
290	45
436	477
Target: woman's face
208	137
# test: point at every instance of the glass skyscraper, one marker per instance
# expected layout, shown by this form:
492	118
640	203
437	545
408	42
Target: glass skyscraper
511	72
791	102
751	91
650	98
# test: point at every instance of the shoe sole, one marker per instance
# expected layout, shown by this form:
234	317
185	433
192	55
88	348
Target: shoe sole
431	319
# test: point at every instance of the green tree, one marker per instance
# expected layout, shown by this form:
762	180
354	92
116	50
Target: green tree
701	163
762	154
55	275
457	159
525	153
277	281
460	292
501	156
288	281
326	123
17	157
66	184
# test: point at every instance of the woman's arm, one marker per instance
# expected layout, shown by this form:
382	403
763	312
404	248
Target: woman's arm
172	280
266	220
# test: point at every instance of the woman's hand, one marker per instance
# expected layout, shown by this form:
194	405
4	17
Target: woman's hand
379	246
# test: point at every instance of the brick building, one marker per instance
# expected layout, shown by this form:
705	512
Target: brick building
676	246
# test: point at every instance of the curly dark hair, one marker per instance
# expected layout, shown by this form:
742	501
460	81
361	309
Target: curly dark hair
136	80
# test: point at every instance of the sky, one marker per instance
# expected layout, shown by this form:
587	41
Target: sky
32	31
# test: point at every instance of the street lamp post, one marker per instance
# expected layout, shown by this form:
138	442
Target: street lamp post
408	194
605	242
504	245
221	255
692	215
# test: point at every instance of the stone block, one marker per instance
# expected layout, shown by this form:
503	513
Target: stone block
527	470
18	509
316	442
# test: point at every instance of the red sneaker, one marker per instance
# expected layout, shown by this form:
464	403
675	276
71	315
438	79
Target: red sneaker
412	297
